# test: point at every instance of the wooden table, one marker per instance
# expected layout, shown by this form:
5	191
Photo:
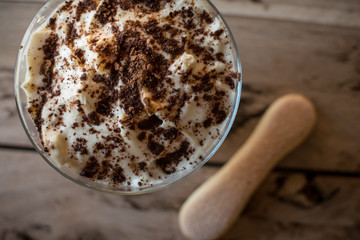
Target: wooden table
310	47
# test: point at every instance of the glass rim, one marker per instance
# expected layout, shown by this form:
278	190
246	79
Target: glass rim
104	188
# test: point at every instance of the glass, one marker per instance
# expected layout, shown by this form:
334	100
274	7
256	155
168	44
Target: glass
21	101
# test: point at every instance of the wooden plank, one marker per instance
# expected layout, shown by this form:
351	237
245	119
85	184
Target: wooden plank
278	57
14	18
38	203
320	62
337	13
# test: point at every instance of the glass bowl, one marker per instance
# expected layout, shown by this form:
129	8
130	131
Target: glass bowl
21	101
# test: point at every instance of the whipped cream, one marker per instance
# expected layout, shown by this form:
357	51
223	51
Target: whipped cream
130	92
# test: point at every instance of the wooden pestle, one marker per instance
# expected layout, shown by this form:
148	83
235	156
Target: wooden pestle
215	205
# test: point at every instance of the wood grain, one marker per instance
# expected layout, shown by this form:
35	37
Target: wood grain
309	46
330	12
318	61
38	203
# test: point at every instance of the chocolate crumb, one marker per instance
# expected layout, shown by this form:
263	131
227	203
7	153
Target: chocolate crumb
141	136
94	118
71	34
171	160
207	122
151	123
83	77
80	146
118	175
154	147
91	168
142	165
79	53
170	133
230	82
106	12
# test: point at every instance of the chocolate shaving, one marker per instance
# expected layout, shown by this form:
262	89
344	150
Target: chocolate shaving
94	118
155	148
118	175
80	146
91	168
85	6
171	133
171	160
106	12
151	123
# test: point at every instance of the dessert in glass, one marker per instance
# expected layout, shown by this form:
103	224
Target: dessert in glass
127	96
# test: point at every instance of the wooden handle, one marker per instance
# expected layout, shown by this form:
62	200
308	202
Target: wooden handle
215	205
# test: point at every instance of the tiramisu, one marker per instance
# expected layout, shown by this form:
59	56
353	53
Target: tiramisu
130	92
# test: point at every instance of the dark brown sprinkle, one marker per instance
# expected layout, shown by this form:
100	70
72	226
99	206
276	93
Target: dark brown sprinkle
71	34
155	147
61	109
196	49
187	12
169	162
46	68
172	47
50	51
75	125
217	33
79	106
205	16
38	109
207	97
229	81
158	131
118	175
143	5
205	85
219	114
79	53
189	24
182	100
207	122
106	12
151	123
99	146
91	168
171	133
98	78
220	56
113	138
52	23
93	131
236	75
94	118
80	146
85	6
83	77
104	107
105	169
130	100
66	6
208	57
141	136
152	29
